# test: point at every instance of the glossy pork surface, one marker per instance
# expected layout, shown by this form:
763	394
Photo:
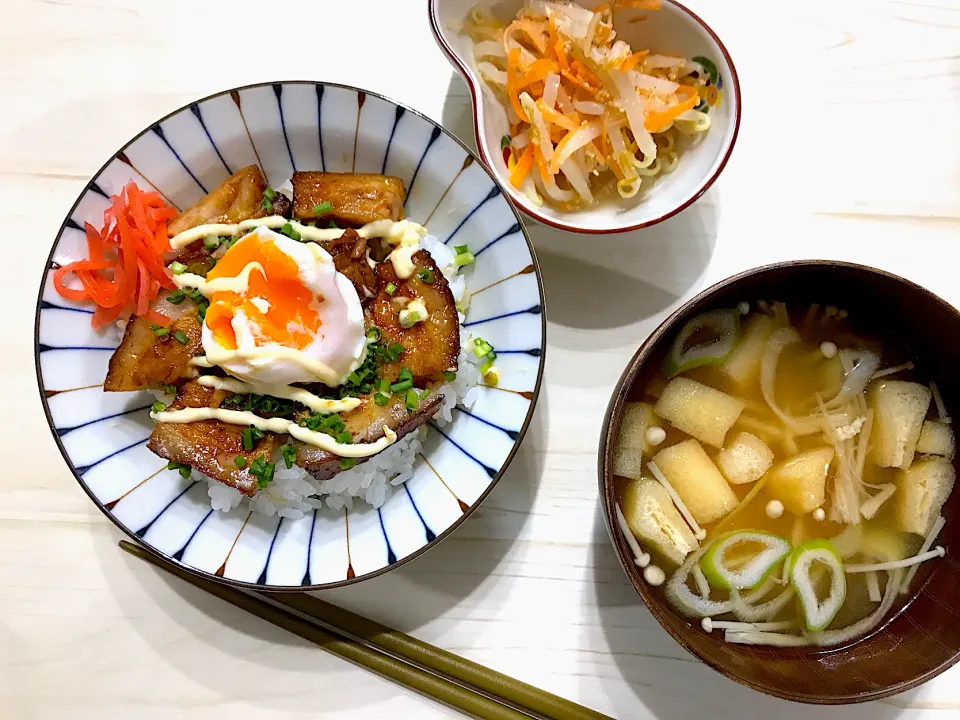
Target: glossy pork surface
356	198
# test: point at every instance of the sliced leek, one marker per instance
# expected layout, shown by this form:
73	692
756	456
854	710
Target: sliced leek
817	614
707	339
715	561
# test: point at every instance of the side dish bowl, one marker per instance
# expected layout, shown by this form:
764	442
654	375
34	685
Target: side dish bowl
284	127
923	638
673	28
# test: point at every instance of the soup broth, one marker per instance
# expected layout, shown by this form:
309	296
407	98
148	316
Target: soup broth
805	463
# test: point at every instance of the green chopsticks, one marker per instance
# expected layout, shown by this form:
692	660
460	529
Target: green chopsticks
430	671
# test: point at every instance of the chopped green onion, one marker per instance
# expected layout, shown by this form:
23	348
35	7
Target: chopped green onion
405	374
263	471
176	297
270	194
211	242
373	334
412	400
481	348
504	141
425	274
257	433
333	225
267	205
401	386
181	337
395	351
321	208
158	407
381	399
344	438
289	453
177	267
460	249
485	368
464	259
289	231
240	461
170	389
160	330
247	438
347	463
449	375
391	288
181	468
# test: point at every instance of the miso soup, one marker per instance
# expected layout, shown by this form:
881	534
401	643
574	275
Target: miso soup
786	470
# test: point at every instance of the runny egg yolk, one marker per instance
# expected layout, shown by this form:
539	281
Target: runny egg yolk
279	308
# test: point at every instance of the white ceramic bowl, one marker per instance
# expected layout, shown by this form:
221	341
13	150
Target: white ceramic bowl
673	28
285	127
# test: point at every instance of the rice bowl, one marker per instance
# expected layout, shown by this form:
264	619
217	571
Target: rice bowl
361	521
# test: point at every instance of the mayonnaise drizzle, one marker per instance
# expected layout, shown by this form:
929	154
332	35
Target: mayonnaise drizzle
238	283
218	355
281	426
287	392
403	234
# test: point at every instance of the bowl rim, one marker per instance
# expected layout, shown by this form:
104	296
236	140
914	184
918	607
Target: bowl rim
705	184
521	433
605	461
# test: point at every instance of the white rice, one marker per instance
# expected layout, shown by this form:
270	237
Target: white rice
294	492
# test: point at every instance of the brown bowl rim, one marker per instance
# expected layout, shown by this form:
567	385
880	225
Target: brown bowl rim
605	461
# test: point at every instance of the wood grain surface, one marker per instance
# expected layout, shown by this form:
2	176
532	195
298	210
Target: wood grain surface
849	149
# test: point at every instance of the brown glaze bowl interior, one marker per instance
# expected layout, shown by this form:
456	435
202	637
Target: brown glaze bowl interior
923	638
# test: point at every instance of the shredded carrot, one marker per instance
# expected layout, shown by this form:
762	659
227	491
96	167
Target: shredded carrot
513	66
541	165
576	81
631	62
555	160
552	116
125	269
561	55
536	72
588	77
520	171
657	121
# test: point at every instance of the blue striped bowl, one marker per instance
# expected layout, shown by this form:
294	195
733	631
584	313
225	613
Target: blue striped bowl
285	127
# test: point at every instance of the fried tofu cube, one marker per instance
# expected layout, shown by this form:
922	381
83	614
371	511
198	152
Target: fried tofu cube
697	481
899	409
936	438
800	482
654	519
698	410
745	460
921	492
743	365
632	444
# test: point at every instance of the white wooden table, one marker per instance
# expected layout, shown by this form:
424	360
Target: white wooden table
850	149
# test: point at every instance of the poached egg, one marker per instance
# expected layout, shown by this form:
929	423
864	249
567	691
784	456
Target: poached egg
280	313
